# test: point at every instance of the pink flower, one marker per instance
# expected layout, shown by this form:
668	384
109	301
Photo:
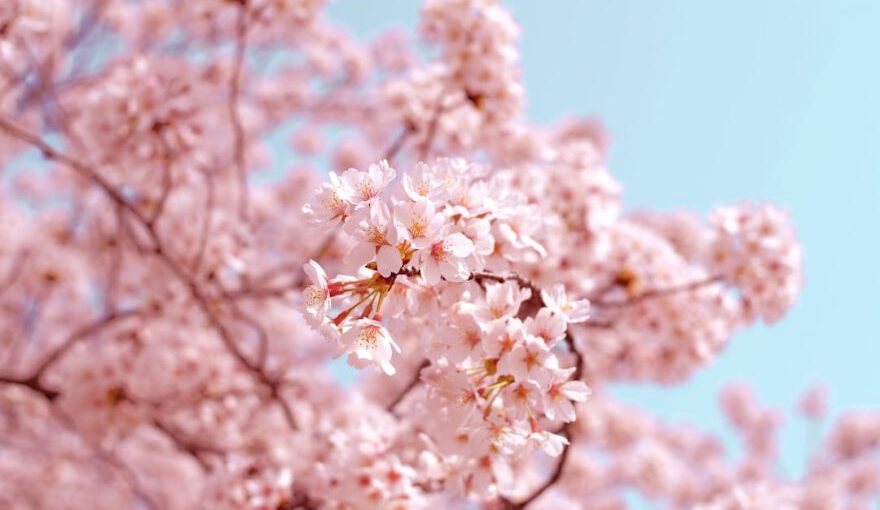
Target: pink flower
378	239
547	326
367	342
362	187
453	391
502	300
502	337
814	403
523	399
559	396
446	257
572	311
316	297
529	360
479	231
422	184
463	339
552	444
417	222
329	207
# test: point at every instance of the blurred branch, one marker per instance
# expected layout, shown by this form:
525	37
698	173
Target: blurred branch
204	303
238	148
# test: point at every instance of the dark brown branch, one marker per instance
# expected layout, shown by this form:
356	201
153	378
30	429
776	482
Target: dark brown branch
185	446
31	384
80	335
416	378
428	142
398	142
482	276
262	336
530	306
77	166
216	323
657	293
551	481
115	267
188	446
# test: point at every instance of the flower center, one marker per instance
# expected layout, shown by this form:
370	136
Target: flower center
368	337
366	190
417	226
376	236
315	296
438	251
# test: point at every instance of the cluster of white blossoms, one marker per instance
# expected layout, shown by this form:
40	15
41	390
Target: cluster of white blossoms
441	223
432	257
497	388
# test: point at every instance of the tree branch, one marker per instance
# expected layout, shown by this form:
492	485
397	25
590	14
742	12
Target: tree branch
398	142
158	250
238	147
408	388
80	335
657	293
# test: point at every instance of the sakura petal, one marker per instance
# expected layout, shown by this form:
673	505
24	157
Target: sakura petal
388	260
459	245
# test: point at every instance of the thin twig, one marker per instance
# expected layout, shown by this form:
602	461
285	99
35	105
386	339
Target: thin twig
657	293
184	445
551	481
238	147
408	388
80	335
428	142
167	185
31	384
206	221
398	142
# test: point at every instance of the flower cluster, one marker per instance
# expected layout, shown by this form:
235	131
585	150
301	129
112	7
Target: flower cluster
755	249
148	109
476	82
29	26
497	387
441	223
478	41
152	262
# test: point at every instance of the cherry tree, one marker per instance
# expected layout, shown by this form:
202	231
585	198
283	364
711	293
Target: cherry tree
171	300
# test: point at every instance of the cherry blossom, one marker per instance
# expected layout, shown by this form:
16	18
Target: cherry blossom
362	187
175	284
378	240
367	342
560	394
418	223
445	258
571	311
316	297
329	207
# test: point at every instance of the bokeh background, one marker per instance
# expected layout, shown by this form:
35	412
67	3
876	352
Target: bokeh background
719	102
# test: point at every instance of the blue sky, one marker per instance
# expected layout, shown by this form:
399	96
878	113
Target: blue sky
718	102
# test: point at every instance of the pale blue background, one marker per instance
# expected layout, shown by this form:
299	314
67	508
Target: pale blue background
714	102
